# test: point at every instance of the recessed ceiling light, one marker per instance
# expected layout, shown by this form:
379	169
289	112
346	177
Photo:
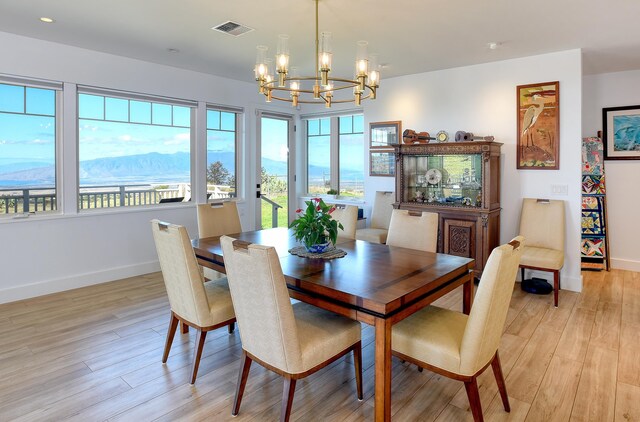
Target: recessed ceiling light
46	20
493	45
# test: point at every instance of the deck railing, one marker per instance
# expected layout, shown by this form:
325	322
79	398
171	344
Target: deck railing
274	210
28	200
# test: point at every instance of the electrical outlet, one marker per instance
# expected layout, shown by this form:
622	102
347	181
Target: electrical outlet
561	190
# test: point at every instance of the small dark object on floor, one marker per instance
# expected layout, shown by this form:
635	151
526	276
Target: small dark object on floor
538	286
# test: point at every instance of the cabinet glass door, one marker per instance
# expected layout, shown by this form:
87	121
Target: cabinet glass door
453	180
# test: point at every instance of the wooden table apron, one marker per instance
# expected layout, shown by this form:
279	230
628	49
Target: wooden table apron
375	284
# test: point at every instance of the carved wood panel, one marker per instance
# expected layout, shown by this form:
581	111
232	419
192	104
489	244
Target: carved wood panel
459	237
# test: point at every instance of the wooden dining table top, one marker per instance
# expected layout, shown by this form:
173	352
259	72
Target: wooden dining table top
372	278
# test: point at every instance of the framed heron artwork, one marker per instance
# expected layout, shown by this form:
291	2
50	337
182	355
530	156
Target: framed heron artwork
621	133
538	140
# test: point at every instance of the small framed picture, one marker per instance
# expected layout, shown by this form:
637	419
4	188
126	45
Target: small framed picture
384	134
621	133
383	163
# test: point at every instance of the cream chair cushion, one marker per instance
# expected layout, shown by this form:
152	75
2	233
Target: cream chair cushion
380	218
188	296
432	335
372	235
382	208
542	223
542	258
413	230
216	219
291	338
348	217
451	340
219	298
322	334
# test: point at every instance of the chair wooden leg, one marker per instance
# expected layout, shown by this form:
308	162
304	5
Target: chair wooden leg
200	337
184	328
497	372
357	362
231	327
474	399
287	398
242	382
171	332
556	287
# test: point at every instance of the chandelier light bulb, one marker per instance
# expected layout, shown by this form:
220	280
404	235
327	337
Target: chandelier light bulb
282	58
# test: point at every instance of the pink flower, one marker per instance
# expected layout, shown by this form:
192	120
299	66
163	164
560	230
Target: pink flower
316	199
299	210
318	208
332	210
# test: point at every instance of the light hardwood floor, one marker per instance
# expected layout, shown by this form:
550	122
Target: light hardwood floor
94	354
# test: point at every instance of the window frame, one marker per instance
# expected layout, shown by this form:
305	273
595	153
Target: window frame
334	142
238	112
57	88
135	97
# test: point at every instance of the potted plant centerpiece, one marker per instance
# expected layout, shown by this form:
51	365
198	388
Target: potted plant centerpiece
314	227
332	193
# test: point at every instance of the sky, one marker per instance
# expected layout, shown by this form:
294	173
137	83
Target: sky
113	127
26	138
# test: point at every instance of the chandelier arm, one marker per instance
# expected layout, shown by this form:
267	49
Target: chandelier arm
321	100
351	83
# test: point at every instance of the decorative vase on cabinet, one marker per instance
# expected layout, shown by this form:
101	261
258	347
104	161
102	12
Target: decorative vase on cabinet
461	182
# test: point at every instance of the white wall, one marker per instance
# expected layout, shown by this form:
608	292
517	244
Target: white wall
482	99
623	202
41	254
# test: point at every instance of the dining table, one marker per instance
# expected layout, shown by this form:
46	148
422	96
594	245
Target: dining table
373	283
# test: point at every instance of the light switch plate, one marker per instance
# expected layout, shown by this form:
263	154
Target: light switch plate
560	190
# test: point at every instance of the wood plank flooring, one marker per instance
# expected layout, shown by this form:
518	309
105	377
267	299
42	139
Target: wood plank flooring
93	354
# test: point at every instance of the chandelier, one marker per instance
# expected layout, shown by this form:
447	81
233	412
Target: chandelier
319	89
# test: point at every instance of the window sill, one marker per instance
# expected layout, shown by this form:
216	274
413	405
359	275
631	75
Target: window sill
338	200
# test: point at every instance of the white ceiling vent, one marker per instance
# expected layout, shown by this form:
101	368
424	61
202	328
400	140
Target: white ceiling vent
232	28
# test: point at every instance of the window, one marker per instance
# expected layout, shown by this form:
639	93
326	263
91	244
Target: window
222	141
335	158
28	137
351	144
133	150
318	155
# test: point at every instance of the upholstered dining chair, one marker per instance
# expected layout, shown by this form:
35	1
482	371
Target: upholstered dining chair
458	346
346	215
542	223
203	306
216	219
413	230
380	216
291	340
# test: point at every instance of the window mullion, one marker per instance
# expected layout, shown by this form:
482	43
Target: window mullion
335	152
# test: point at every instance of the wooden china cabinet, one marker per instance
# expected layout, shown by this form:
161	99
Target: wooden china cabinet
461	182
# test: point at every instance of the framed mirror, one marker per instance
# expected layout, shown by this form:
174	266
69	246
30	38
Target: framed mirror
384	134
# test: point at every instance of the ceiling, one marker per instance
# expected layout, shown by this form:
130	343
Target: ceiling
409	36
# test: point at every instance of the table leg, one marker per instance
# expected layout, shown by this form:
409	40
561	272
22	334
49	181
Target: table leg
383	370
467	296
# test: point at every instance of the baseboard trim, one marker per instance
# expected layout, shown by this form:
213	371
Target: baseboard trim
625	264
41	288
